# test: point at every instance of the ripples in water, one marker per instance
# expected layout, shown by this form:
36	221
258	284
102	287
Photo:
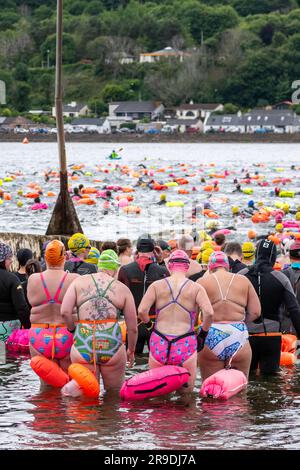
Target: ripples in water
266	417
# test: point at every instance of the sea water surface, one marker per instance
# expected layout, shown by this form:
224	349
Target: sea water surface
266	417
202	160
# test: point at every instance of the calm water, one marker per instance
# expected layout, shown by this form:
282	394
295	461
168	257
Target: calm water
267	417
35	158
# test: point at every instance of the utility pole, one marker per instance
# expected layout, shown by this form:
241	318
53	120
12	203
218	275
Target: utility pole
64	220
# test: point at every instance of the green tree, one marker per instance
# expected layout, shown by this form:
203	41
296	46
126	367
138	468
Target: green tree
21	96
21	72
69	48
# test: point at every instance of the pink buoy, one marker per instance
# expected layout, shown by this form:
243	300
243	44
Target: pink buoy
154	382
123	202
18	341
223	384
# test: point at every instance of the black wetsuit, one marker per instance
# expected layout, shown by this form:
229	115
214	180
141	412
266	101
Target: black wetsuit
13	305
236	265
273	289
80	267
138	282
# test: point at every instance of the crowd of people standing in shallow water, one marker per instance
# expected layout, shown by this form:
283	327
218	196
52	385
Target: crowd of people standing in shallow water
205	305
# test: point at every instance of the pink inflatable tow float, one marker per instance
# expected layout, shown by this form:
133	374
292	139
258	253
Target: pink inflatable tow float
154	383
18	341
223	384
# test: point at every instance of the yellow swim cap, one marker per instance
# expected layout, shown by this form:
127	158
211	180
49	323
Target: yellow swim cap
203	235
93	256
286	208
206	255
279	227
163	197
248	250
206	246
235	210
78	243
297	216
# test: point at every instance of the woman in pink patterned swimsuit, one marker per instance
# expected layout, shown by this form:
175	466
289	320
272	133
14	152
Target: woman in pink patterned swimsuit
48	335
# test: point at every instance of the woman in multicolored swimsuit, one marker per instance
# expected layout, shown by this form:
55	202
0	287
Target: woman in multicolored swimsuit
97	333
233	298
177	300
48	335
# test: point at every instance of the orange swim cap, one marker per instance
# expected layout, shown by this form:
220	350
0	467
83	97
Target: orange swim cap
55	253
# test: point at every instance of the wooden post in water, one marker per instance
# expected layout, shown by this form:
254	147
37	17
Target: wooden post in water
64	220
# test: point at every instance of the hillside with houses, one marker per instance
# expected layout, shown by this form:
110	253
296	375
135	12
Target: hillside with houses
187	55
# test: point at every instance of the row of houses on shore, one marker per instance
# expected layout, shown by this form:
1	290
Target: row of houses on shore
147	116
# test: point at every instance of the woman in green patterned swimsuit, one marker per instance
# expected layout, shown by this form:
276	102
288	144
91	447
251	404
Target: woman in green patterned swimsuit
97	334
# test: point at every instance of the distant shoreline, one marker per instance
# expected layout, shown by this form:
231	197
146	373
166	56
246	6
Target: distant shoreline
158	139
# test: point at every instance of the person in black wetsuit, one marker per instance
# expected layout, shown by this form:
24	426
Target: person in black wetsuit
138	276
234	252
14	311
273	289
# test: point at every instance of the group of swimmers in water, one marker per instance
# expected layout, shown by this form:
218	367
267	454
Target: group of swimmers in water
226	307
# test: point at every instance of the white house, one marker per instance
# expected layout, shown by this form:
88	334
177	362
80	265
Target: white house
73	110
166	53
223	123
197	110
274	120
134	111
99	125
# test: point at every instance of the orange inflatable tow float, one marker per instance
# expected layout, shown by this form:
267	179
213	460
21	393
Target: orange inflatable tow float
49	371
85	379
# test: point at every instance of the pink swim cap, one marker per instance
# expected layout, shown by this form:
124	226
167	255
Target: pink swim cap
218	259
179	261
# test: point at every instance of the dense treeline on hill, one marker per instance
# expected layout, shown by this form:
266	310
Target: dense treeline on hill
245	52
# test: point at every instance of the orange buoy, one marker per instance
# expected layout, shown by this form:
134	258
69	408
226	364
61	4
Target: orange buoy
50	194
287	359
123	330
32	195
288	343
85	379
25	141
89	190
87	201
49	371
7	197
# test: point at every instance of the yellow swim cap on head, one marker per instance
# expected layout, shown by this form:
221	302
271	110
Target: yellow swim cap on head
93	256
286	208
297	217
235	210
163	197
279	227
206	246
206	255
78	243
203	235
55	253
248	250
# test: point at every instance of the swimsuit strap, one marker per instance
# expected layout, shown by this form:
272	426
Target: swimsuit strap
50	299
175	301
46	290
60	287
102	294
221	292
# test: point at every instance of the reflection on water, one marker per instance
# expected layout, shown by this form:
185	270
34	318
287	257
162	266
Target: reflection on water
266	417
